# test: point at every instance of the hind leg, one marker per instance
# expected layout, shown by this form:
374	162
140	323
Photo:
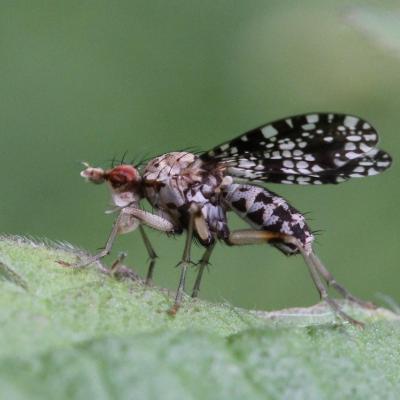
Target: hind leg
324	294
248	236
331	281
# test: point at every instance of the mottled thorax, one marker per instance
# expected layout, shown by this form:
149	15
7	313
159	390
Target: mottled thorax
175	181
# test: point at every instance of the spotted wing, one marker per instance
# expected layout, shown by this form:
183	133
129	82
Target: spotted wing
305	149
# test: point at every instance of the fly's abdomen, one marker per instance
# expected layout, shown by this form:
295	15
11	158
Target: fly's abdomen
264	210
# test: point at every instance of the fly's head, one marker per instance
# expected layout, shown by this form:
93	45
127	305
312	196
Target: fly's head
124	181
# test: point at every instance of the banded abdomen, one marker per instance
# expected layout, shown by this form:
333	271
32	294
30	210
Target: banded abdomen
264	210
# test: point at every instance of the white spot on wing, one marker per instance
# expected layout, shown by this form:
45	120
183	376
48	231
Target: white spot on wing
269	131
302	164
349	146
309	157
339	163
287	146
365	148
359	169
289	171
312	118
288	164
308	127
246	164
276	154
350	121
371	137
374	152
303	180
373	171
316	168
351	155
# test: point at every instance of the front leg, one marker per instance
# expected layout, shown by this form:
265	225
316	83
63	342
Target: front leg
129	218
107	248
155	222
151	220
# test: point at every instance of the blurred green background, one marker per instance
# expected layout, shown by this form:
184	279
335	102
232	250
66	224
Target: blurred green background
89	80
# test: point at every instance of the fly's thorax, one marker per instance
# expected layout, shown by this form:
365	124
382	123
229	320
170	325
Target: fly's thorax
172	164
265	210
176	180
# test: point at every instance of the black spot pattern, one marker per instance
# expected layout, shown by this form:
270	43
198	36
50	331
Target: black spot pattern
256	216
264	210
240	205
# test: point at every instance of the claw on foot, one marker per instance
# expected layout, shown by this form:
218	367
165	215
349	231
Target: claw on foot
63	263
173	310
341	314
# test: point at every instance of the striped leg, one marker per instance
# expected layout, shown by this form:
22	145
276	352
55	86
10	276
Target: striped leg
247	236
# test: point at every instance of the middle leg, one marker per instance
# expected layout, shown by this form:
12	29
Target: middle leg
152	255
204	261
184	263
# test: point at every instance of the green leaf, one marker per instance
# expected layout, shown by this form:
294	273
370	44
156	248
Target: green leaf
72	334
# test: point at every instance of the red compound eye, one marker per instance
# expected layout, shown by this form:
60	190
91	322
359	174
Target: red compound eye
122	175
